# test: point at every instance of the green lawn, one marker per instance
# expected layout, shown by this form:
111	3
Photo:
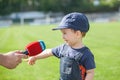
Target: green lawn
103	40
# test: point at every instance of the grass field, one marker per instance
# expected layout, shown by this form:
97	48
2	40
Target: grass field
103	40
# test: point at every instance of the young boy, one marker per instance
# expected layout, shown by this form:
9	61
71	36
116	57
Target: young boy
76	60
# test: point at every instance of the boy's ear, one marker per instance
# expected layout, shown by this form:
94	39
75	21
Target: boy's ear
78	33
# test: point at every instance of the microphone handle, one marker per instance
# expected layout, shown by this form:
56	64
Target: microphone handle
25	52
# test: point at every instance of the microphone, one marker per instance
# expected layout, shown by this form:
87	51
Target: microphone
34	48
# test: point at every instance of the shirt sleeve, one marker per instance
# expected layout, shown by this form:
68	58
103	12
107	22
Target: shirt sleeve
57	50
88	60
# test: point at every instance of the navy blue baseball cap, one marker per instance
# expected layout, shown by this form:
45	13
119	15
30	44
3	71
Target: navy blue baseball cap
75	21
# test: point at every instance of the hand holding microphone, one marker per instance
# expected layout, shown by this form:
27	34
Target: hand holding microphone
34	48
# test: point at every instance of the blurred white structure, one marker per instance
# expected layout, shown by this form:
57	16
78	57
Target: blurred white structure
35	18
104	17
38	18
96	2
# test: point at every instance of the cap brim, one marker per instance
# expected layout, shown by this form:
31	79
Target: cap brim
58	28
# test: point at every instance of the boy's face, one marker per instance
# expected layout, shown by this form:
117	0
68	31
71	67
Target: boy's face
71	37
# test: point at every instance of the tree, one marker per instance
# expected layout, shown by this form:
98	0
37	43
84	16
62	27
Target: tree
66	6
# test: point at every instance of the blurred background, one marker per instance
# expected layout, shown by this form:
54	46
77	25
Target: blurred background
24	21
35	12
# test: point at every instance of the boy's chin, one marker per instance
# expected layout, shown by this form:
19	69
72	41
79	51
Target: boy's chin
67	43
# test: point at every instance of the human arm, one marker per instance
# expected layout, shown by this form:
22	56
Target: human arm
89	74
46	53
11	59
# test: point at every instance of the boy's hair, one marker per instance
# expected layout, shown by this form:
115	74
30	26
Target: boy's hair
76	21
83	33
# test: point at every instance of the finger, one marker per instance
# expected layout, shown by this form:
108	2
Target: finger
25	56
20	51
22	55
31	63
26	60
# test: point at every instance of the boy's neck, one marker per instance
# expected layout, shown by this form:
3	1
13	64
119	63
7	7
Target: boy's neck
78	45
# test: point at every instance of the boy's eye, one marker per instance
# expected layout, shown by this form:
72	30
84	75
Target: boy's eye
64	33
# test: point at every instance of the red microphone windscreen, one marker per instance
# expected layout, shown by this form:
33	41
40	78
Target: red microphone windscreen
34	48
